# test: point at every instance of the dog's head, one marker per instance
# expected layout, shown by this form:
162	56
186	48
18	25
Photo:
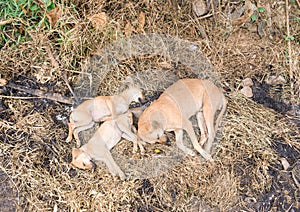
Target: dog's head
151	132
81	159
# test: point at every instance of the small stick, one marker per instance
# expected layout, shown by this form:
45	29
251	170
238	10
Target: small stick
63	75
291	70
298	3
288	39
42	94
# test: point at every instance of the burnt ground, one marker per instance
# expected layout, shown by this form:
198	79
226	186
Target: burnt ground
257	157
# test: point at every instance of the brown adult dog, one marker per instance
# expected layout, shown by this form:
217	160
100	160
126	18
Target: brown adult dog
104	139
101	108
172	110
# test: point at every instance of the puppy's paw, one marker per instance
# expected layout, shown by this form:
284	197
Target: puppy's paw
142	151
69	139
203	141
122	176
134	151
190	152
207	156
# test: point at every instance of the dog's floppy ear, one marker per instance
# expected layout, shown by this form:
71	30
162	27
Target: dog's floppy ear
156	125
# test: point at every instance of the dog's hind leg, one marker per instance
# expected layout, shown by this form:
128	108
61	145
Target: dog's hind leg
209	119
71	129
211	127
189	129
77	130
220	116
203	128
179	142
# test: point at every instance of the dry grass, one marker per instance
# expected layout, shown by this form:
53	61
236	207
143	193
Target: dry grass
35	158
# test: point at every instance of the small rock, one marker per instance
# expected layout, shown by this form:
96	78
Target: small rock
247	91
247	82
284	163
275	80
199	7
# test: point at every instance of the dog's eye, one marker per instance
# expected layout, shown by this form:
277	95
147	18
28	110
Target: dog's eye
84	164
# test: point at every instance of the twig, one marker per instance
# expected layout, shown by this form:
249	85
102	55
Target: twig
298	3
64	75
288	38
42	94
20	97
291	71
3	123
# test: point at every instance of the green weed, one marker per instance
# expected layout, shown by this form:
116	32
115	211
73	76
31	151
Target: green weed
25	15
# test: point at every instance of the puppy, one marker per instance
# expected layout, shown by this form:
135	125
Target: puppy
101	108
104	139
172	110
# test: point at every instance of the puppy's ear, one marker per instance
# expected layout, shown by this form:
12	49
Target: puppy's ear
130	117
129	81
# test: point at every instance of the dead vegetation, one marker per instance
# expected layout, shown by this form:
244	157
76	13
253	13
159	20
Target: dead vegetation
238	40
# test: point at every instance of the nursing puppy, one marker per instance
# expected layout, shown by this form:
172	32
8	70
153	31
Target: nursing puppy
172	110
101	108
104	139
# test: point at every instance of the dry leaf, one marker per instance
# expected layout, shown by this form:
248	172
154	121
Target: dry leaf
142	20
276	80
284	163
247	91
53	16
199	7
247	82
99	20
248	11
128	29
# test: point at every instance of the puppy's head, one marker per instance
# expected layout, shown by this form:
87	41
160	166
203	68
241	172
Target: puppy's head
81	159
136	93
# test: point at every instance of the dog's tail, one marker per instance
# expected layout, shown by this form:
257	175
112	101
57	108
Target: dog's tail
224	105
